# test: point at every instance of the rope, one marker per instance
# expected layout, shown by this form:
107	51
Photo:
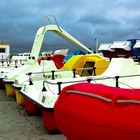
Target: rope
103	98
128	101
90	95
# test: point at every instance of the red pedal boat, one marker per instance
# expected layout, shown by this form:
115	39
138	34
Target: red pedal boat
98	112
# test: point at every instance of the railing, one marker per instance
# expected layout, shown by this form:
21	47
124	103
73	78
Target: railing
89	80
53	72
50	21
9	62
93	95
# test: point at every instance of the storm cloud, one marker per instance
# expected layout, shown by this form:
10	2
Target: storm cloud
85	20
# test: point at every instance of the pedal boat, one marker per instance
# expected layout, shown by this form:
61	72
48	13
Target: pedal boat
36	96
47	96
96	111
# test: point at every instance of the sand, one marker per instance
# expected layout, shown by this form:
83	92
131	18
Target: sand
15	123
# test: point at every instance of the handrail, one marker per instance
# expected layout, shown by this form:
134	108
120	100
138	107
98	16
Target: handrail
83	80
11	60
128	101
9	63
90	95
99	78
48	18
103	98
54	71
66	70
87	80
59	70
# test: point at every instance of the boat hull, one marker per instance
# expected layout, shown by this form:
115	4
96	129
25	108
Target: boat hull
84	117
19	98
2	85
10	90
49	121
31	108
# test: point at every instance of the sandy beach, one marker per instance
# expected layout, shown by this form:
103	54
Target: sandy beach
15	123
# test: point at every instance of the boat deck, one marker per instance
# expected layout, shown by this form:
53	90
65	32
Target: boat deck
16	124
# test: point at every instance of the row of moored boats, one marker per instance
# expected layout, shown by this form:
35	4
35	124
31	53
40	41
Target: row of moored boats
83	95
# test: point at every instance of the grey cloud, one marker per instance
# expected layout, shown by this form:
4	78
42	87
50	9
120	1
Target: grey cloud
109	20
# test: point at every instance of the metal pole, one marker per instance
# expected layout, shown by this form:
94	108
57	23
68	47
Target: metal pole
97	44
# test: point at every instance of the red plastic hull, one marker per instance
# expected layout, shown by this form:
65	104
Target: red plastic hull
31	108
49	122
2	84
82	117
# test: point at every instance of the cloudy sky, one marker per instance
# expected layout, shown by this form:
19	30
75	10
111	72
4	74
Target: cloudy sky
84	19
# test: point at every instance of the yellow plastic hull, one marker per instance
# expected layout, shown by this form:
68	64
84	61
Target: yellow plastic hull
19	98
10	90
